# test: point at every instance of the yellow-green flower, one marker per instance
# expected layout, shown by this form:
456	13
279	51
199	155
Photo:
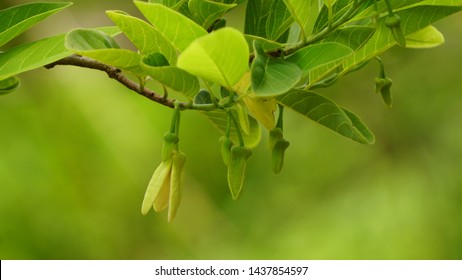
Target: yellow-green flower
164	189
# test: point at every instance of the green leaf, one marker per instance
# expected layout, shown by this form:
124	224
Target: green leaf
170	76
358	125
8	85
173	4
304	13
32	55
37	54
144	36
325	112
220	57
353	37
256	17
206	12
429	37
16	20
279	20
314	56
338	9
102	47
266	44
272	76
412	20
177	28
219	119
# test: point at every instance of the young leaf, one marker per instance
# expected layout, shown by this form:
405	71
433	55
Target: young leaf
206	12
261	108
314	56
102	47
9	84
429	37
143	35
177	28
272	76
16	20
37	54
219	119
325	112
170	76
220	57
304	12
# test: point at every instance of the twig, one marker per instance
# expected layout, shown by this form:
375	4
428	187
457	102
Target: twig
116	74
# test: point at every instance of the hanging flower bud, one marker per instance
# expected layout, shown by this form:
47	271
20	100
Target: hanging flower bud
226	145
277	155
236	169
382	86
394	23
158	188
274	136
178	160
170	143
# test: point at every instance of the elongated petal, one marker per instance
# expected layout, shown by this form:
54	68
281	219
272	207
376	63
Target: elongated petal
154	186
179	159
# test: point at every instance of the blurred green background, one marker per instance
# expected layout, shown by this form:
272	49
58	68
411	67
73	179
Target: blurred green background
77	151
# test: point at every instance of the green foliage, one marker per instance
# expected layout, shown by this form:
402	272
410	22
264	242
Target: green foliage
219	57
288	49
272	76
325	112
102	47
23	17
170	76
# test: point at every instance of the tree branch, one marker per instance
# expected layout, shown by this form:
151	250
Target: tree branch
116	74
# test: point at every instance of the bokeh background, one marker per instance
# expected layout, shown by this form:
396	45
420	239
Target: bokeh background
77	151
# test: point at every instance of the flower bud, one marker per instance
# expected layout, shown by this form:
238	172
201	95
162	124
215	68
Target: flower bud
178	160
274	135
277	155
226	145
236	169
394	23
158	188
382	86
